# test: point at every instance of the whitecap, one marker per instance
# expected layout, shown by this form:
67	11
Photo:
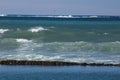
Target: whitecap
61	16
2	15
23	40
65	16
39	57
36	57
93	16
105	33
37	29
3	30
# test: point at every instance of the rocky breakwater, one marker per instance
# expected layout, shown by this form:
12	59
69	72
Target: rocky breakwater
51	63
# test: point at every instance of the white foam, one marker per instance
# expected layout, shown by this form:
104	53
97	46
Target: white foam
39	57
36	57
37	29
80	47
105	33
61	16
2	15
3	30
23	40
94	16
65	16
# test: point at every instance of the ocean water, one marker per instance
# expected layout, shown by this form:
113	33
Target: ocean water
90	40
59	73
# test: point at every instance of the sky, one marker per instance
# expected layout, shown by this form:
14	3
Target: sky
60	7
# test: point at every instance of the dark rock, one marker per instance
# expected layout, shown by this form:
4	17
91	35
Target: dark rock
51	63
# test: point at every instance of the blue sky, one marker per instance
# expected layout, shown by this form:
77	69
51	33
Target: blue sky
52	7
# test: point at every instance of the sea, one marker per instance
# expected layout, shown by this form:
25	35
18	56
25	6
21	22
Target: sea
59	73
66	38
89	39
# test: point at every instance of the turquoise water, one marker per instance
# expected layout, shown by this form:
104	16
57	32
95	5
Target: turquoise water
60	39
59	73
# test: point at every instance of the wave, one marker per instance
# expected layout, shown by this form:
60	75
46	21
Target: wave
24	49
37	29
61	16
11	44
2	15
23	40
72	47
21	44
79	47
8	44
29	57
39	57
3	31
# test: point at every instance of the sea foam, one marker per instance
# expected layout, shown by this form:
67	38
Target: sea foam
23	40
61	16
37	29
39	57
3	30
36	57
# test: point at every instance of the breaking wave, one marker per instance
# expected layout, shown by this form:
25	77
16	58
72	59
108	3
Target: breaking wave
21	44
23	40
24	49
61	16
78	47
37	29
66	58
3	31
